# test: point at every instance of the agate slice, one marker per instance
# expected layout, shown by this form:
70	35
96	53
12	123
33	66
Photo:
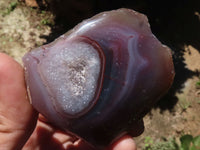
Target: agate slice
99	79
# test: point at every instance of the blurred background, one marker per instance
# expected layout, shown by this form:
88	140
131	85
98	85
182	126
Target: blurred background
26	24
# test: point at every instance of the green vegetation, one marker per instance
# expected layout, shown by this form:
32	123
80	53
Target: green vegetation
187	142
46	22
169	144
148	142
10	8
166	145
198	84
184	104
46	19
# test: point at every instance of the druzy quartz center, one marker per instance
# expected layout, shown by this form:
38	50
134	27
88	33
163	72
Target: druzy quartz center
73	71
98	80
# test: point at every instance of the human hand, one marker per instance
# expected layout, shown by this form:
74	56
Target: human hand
20	125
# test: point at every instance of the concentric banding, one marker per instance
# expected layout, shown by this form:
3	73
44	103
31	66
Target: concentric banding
138	70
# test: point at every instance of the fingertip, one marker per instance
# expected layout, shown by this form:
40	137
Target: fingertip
124	143
81	145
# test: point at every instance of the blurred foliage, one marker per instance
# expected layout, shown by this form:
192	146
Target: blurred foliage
187	142
10	8
148	143
198	84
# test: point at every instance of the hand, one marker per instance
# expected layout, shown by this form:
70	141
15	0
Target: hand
20	125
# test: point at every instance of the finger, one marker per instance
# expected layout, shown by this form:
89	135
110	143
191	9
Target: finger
79	145
17	117
127	142
124	143
47	137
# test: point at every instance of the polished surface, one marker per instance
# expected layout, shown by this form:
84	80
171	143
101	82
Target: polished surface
132	70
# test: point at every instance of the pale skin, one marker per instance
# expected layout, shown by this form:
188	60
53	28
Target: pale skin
21	127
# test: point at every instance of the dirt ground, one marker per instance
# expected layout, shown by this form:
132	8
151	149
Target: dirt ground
23	28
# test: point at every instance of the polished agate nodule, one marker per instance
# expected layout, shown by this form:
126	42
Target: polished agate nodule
99	79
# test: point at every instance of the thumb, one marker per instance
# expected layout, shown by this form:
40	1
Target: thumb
126	142
17	117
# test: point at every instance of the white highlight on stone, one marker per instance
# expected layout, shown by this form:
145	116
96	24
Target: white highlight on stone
71	74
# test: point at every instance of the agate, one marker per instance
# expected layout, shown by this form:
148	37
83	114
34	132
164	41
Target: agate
99	79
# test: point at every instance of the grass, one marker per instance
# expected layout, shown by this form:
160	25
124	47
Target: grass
148	142
186	142
169	144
